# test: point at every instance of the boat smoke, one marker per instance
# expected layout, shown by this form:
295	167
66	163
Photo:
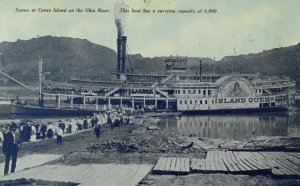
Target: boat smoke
120	16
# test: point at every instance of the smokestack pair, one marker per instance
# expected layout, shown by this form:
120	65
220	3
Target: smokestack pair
121	53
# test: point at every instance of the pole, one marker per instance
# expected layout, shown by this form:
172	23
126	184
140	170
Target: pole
232	61
200	70
72	101
40	82
132	102
1	61
58	101
214	66
167	104
84	102
97	104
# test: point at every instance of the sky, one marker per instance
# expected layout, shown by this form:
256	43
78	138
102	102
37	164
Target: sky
237	27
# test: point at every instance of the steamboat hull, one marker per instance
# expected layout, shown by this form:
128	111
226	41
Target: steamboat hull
19	109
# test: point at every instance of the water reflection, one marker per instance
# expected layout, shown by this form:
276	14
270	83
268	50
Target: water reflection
234	126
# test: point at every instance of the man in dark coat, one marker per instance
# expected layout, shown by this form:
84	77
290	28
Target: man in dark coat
43	130
97	131
11	144
85	124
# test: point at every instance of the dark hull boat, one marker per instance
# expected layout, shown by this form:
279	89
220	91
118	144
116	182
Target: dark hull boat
20	109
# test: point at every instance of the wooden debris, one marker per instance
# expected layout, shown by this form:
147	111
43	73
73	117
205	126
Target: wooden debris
172	166
278	164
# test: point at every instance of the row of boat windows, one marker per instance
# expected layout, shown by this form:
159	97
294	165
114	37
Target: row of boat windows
185	102
204	92
204	78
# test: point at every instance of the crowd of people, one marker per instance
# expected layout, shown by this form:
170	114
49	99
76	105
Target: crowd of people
33	130
12	135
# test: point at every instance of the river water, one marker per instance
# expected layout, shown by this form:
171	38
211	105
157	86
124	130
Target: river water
237	126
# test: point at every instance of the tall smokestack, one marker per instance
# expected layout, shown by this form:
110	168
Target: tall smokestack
124	43
119	42
200	70
120	18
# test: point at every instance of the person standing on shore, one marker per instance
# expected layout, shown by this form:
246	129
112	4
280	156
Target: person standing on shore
97	131
109	121
11	144
59	134
85	124
43	130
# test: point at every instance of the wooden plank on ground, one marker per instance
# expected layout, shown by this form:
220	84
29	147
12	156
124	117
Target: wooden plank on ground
227	163
218	162
257	161
182	165
250	164
163	164
212	165
282	158
285	158
168	164
259	165
233	162
156	168
178	164
214	162
217	155
221	162
240	162
253	163
222	167
187	165
209	155
207	166
295	154
173	164
217	165
278	164
220	157
264	162
291	158
274	166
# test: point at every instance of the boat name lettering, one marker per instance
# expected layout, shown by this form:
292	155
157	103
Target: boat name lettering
251	100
